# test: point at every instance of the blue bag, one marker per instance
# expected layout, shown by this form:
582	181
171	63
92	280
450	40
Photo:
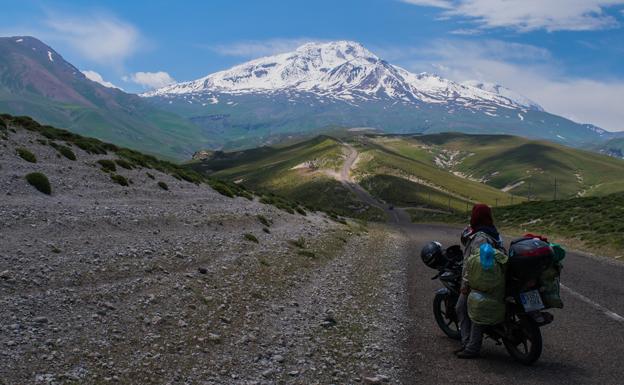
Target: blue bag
486	256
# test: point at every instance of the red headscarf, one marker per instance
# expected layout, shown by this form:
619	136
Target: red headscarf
481	216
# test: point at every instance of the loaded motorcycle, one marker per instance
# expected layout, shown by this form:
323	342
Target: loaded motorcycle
520	330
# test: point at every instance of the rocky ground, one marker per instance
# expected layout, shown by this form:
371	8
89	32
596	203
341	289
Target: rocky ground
101	283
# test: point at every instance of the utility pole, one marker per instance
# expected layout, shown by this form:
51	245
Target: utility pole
555	188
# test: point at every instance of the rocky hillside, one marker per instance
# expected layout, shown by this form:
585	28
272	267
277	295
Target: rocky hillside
166	280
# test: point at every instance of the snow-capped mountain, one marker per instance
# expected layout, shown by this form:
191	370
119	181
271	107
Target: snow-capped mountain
347	71
342	83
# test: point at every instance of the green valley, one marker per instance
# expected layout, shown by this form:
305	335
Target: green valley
428	175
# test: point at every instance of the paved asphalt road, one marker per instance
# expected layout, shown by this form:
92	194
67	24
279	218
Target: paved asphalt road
584	344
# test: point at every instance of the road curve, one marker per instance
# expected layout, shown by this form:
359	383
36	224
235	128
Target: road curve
584	345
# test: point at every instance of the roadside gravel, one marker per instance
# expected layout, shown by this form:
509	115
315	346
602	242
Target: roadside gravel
101	283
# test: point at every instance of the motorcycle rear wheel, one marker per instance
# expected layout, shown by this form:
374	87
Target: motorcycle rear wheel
444	312
526	344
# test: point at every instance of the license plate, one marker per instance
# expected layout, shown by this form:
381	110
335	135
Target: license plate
531	300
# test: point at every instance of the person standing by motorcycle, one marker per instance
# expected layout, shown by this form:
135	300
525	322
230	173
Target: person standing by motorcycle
483	254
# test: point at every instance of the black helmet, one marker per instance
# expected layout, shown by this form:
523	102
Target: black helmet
432	255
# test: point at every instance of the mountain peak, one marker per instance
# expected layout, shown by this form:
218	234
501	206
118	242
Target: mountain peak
347	71
344	49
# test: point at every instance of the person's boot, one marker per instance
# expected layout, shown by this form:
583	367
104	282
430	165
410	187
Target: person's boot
466	354
459	350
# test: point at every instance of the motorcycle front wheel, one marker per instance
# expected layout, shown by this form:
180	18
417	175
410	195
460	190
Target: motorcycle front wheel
525	342
444	312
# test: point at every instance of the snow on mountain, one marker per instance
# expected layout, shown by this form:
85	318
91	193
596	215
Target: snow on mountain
347	71
504	92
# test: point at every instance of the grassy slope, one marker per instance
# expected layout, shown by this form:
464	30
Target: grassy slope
146	128
405	165
591	223
402	170
504	160
270	169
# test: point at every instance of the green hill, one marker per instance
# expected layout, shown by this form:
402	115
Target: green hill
541	170
302	171
309	171
430	174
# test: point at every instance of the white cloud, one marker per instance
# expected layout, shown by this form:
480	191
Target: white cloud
97	37
150	79
96	77
531	71
100	38
431	3
257	48
529	15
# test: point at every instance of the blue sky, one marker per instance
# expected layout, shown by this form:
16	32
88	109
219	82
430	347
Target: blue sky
567	55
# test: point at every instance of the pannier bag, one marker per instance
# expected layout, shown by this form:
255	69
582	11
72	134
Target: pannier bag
528	259
550	279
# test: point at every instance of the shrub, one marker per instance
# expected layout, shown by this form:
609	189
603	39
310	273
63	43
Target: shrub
222	189
146	161
119	179
279	202
300	243
266	230
107	165
27	122
92	146
64	150
150	175
264	220
124	164
251	237
163	186
301	211
306	253
245	194
26	155
40	182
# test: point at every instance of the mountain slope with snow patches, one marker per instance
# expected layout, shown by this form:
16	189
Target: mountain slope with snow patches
341	83
346	71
